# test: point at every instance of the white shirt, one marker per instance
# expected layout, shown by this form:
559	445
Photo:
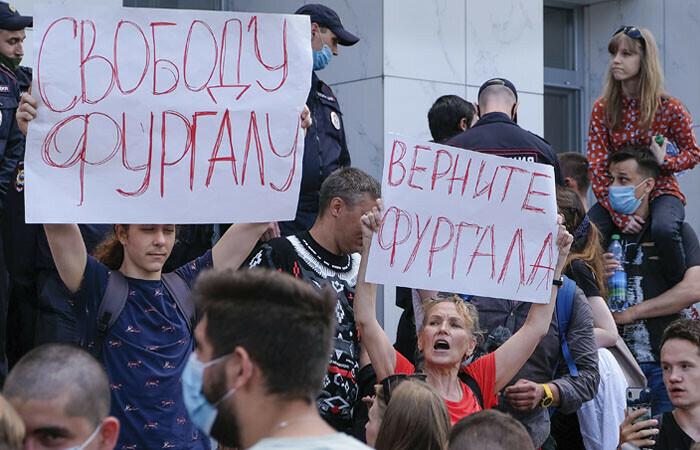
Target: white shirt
338	441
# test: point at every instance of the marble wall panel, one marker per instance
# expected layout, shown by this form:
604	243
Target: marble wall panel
504	38
425	40
407	101
362	105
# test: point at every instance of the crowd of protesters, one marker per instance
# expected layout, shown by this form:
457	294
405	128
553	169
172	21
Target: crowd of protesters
196	337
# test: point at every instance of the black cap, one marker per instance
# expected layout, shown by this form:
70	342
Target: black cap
11	20
499	82
326	17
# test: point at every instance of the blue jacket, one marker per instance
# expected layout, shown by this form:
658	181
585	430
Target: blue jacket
325	150
496	134
12	84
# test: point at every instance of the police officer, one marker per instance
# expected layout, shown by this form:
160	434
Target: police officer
325	148
497	131
14	80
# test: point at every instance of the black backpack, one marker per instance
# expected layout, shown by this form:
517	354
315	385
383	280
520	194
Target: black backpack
115	297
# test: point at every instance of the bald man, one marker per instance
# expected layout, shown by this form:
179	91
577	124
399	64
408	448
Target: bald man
497	131
62	394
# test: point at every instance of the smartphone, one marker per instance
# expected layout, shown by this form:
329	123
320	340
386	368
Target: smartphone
637	398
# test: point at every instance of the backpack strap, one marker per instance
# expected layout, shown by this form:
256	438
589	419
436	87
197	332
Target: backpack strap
565	302
115	297
179	291
473	385
111	306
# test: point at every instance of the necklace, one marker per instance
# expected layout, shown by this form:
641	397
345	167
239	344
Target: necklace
286	423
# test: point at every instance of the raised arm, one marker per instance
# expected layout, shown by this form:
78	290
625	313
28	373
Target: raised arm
65	241
513	354
236	244
68	251
374	339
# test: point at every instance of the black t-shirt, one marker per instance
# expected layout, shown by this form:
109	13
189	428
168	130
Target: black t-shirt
579	271
646	280
303	257
671	436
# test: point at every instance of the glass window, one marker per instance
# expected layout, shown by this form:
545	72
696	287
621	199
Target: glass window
560	107
558	38
563	76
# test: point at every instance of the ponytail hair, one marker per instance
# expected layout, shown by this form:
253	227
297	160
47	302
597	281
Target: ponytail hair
110	251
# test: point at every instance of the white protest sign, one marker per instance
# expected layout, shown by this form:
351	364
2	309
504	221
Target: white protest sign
166	116
461	221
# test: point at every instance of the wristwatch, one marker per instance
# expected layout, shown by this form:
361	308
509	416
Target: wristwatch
548	397
558	282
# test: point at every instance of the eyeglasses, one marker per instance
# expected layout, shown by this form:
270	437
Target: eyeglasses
632	32
389	383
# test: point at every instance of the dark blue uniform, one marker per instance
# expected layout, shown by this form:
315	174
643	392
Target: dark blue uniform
11	151
496	134
11	138
325	150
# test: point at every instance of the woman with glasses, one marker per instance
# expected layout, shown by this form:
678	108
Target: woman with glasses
415	419
633	110
447	337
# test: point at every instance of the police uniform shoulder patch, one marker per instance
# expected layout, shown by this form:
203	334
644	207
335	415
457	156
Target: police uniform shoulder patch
19	179
335	120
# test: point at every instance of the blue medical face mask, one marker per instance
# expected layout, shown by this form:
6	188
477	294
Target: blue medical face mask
322	57
202	413
622	198
90	439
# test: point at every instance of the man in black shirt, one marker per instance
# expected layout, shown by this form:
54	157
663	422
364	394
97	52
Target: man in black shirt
328	254
680	359
640	325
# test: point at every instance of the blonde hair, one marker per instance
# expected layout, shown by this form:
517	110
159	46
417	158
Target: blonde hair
416	418
11	427
465	309
651	80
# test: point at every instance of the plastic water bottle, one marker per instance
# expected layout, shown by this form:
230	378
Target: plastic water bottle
617	284
671	150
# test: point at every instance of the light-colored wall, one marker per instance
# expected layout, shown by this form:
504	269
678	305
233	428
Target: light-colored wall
674	24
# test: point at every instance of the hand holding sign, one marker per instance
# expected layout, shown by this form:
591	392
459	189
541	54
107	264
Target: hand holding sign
26	111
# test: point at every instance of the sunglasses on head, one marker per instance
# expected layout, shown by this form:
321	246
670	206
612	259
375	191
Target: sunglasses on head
389	383
632	32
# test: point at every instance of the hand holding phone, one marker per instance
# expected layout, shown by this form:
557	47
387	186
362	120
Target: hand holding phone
638	426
